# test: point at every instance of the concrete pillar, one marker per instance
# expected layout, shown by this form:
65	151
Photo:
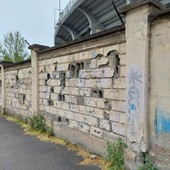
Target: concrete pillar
137	37
35	81
3	89
35	48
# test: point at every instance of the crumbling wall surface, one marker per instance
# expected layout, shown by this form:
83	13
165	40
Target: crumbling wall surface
18	91
82	91
159	109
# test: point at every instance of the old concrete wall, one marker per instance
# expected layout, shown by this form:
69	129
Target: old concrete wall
18	90
82	91
0	90
100	88
159	109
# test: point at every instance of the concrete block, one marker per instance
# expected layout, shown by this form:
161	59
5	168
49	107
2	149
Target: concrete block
69	115
84	128
54	96
83	55
119	128
44	95
114	116
54	110
99	83
48	109
123	71
119	106
73	124
57	104
80	100
62	67
123	118
84	92
78	117
45	102
57	90
91	121
74	108
119	83
65	106
41	69
84	74
43	88
43	76
96	132
115	94
102	73
90	102
93	64
123	58
123	48
64	59
100	103
61	113
71	82
81	83
70	99
105	125
53	82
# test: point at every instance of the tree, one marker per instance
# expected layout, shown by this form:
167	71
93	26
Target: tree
13	47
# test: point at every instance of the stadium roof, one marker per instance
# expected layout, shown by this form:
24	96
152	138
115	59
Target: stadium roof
81	18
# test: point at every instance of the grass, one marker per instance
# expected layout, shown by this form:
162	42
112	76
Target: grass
87	157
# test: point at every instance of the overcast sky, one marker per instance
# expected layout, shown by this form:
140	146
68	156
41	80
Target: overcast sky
33	18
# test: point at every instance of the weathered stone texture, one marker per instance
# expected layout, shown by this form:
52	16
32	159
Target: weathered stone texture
18	90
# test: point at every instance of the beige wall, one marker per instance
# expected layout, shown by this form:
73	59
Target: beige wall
159	109
99	89
18	91
92	98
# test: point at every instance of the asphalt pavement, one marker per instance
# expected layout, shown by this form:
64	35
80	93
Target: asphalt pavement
19	151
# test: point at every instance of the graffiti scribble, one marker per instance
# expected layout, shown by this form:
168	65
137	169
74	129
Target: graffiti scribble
134	77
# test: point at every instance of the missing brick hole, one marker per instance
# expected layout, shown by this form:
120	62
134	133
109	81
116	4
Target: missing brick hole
61	97
50	103
59	119
17	78
55	68
46	82
52	89
82	66
100	94
63	83
48	76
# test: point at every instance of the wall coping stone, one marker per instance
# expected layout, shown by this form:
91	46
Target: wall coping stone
159	14
138	3
83	39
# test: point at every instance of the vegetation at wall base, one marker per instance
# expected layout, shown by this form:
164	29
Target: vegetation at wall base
148	164
37	122
115	154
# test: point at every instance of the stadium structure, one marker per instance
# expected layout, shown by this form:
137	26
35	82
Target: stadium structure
81	18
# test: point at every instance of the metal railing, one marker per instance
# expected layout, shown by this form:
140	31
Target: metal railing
67	10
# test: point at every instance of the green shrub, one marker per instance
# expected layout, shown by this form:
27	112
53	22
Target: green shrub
37	122
115	154
148	165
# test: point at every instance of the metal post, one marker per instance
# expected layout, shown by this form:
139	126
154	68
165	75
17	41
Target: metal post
117	12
